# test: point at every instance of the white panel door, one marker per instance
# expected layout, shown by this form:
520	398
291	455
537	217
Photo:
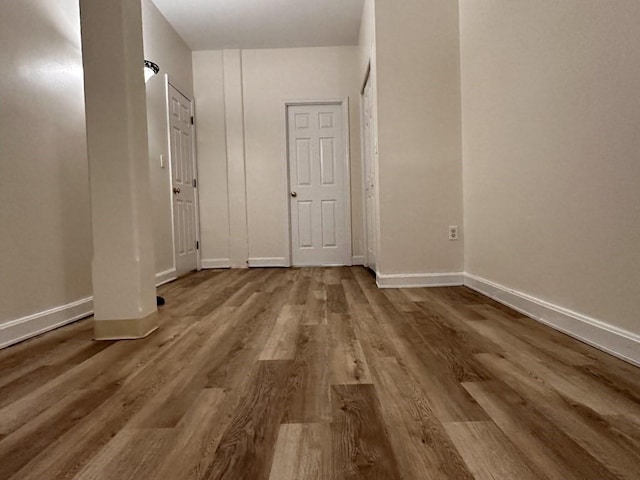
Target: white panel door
369	173
183	175
318	177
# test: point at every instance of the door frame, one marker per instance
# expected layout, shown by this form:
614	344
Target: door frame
344	105
196	193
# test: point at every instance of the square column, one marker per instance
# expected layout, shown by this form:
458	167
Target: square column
123	255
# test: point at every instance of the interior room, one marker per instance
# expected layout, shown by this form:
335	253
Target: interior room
341	239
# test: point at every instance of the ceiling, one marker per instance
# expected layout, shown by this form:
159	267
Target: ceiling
219	24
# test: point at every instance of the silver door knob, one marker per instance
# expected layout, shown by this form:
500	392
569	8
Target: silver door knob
294	194
176	190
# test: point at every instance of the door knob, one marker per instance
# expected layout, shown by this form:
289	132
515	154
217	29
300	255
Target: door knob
294	194
176	190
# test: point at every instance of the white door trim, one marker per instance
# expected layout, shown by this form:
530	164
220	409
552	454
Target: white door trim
194	154
344	104
196	195
363	172
169	161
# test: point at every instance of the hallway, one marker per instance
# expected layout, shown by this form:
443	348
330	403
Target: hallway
316	373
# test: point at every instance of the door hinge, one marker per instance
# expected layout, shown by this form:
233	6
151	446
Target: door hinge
193	121
197	245
195	183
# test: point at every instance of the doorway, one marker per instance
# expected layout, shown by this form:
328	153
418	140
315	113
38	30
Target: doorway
183	182
319	184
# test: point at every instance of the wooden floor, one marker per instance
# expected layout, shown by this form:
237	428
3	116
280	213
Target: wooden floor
316	374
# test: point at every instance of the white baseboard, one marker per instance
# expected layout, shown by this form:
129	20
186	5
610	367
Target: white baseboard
166	277
357	260
418	280
268	262
616	341
210	264
30	326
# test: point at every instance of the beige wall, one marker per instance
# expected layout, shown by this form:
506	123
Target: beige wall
236	164
163	46
45	244
420	165
208	79
269	78
551	108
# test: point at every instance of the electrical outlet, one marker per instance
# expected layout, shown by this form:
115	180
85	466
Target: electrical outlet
453	232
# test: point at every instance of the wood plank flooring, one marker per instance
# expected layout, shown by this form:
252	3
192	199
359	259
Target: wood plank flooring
313	373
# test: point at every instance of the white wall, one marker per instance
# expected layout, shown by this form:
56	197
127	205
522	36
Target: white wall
236	161
551	108
269	78
45	244
419	136
163	46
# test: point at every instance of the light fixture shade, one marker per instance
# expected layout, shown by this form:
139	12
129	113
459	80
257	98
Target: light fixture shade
150	69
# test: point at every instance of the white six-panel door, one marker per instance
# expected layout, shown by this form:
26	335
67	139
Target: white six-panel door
183	182
320	222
